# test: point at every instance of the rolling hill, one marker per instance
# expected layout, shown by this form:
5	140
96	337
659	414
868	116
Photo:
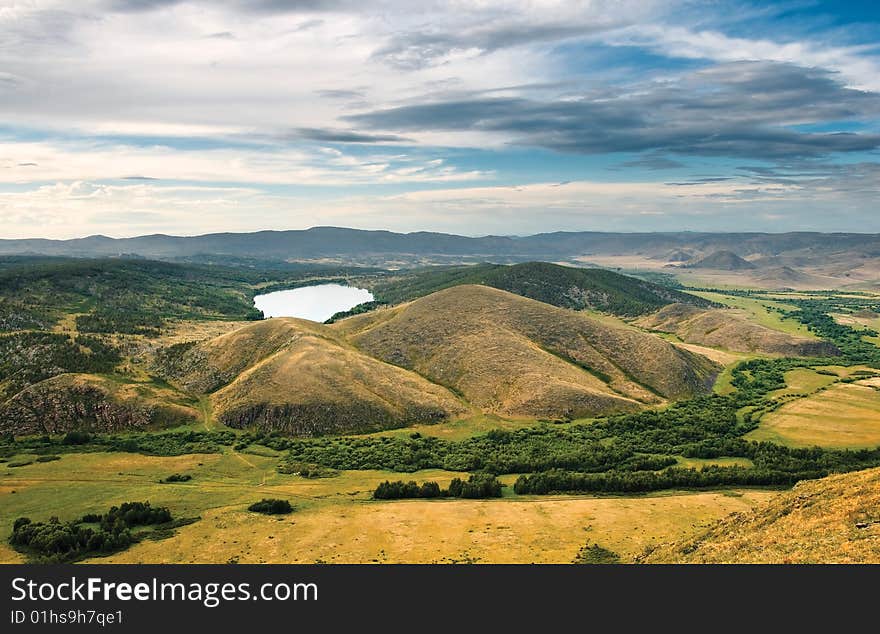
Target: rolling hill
564	286
300	378
514	356
831	520
461	350
720	328
329	242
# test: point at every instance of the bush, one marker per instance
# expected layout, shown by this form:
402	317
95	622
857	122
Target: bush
177	477
269	506
77	437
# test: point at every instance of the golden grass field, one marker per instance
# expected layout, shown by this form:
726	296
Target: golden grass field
841	416
335	521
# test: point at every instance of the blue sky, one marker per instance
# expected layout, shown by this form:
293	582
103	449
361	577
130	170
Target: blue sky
126	117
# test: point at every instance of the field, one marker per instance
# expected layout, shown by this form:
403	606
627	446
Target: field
842	416
336	521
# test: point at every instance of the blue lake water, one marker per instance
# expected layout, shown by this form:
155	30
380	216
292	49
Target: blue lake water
317	303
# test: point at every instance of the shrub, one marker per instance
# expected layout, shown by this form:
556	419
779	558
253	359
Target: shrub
270	506
177	477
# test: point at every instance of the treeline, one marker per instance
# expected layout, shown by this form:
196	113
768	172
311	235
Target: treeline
477	486
150	444
848	339
643	481
360	309
92	534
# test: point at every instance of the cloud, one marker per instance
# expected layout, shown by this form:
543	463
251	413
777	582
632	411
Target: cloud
744	109
857	70
653	162
345	136
304	166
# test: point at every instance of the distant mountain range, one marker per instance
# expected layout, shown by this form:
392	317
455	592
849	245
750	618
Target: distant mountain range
361	246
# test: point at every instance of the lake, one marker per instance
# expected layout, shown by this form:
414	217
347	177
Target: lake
317	303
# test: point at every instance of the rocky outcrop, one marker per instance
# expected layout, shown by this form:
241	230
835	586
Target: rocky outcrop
68	402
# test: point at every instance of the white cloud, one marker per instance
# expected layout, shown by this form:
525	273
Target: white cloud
25	162
859	69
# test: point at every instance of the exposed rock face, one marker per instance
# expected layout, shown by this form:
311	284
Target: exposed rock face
67	402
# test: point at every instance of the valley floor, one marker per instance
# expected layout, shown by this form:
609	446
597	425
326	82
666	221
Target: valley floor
335	521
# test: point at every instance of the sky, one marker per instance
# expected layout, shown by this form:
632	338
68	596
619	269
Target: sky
131	117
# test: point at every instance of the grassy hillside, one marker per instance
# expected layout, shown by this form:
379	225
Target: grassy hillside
832	520
300	378
728	330
515	356
500	353
567	287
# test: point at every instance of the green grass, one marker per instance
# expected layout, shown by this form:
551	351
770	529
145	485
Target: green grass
758	312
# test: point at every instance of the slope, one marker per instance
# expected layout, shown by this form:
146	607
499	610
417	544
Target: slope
94	403
300	378
831	520
518	357
568	287
728	330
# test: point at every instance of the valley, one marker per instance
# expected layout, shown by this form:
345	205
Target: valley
614	410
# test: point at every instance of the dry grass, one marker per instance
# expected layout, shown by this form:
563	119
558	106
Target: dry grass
832	520
315	385
336	521
842	416
513	356
546	530
731	330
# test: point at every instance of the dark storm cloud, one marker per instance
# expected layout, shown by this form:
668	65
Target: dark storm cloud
745	109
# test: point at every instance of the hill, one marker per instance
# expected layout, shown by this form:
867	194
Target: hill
725	329
89	402
319	242
300	378
831	520
722	261
564	286
514	356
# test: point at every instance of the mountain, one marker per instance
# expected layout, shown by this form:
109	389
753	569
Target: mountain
831	520
363	246
564	286
301	378
725	329
722	261
514	356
